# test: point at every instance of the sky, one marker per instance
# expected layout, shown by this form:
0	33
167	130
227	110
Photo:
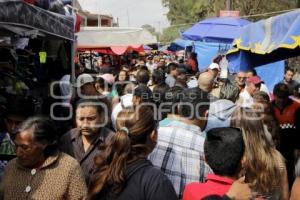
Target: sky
131	13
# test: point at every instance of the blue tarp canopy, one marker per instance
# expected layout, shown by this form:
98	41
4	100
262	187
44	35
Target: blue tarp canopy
180	44
268	40
146	47
271	73
217	29
207	51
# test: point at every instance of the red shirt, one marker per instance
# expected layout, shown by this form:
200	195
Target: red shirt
286	116
214	185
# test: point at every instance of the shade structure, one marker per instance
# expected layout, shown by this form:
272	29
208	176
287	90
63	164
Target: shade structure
180	44
217	29
269	40
99	37
115	50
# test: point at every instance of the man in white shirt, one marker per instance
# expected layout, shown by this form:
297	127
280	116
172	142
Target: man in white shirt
246	97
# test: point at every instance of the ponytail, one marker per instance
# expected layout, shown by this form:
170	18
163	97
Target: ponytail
110	163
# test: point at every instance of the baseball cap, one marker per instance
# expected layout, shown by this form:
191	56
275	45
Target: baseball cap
214	66
109	78
254	79
83	79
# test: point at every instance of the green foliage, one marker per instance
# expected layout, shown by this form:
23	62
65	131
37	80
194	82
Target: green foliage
191	11
171	33
151	29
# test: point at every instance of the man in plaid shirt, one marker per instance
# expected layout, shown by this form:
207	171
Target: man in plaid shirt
179	152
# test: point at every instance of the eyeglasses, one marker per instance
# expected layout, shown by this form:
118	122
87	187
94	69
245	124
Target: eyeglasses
241	77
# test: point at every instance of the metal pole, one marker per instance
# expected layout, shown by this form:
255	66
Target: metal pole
73	46
128	18
228	5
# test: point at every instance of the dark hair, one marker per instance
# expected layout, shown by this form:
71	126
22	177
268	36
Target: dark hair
281	90
125	146
158	77
288	69
253	71
144	93
213	197
44	130
224	148
121	86
18	105
173	98
181	70
142	76
194	55
159	93
172	66
261	96
193	103
218	59
103	84
126	74
143	67
98	103
159	97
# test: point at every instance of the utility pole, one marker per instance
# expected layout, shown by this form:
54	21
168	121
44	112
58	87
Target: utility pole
158	32
228	5
128	18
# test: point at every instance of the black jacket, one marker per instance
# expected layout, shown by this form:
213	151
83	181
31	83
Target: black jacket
143	182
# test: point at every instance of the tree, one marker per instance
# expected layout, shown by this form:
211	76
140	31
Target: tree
191	11
184	13
187	11
171	33
151	29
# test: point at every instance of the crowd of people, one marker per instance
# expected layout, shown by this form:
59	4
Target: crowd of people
155	129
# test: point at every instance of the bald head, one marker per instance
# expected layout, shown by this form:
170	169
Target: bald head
206	81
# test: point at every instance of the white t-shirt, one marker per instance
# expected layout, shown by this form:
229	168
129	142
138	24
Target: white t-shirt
246	99
125	102
65	88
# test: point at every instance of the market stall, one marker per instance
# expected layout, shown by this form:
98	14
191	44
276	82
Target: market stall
35	47
114	40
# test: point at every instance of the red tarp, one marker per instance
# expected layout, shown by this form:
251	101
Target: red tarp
115	50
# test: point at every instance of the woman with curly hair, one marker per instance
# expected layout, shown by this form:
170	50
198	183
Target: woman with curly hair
263	165
123	171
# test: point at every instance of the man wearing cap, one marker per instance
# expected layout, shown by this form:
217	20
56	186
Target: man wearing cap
246	97
214	69
86	86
